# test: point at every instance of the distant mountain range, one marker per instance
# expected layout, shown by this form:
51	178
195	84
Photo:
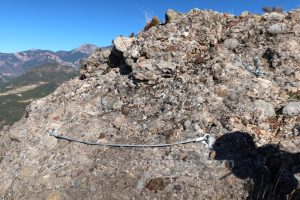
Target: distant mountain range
33	74
16	64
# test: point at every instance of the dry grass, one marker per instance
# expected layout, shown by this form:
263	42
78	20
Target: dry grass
268	9
154	22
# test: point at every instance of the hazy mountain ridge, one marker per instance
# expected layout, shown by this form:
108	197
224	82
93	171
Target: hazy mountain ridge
32	74
15	64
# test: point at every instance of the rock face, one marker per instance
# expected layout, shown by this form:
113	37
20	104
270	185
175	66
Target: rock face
170	83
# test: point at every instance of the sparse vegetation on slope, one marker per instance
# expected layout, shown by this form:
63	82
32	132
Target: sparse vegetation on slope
154	22
268	9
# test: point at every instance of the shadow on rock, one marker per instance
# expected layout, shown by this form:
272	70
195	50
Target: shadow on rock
270	169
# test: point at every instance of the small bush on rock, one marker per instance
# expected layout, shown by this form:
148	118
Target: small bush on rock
154	22
268	9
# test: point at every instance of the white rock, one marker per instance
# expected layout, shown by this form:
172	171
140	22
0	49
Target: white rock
123	43
266	107
291	109
231	43
277	28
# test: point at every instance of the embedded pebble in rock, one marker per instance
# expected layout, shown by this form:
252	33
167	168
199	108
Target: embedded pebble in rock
201	72
266	108
277	28
119	121
231	43
292	109
54	196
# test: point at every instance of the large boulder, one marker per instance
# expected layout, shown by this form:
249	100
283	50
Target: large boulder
122	43
172	16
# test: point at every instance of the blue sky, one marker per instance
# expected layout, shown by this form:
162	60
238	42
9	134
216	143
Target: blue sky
66	24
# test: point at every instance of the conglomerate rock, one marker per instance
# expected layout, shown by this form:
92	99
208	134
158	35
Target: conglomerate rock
206	72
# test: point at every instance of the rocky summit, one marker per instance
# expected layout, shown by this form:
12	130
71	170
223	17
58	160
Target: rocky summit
236	78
